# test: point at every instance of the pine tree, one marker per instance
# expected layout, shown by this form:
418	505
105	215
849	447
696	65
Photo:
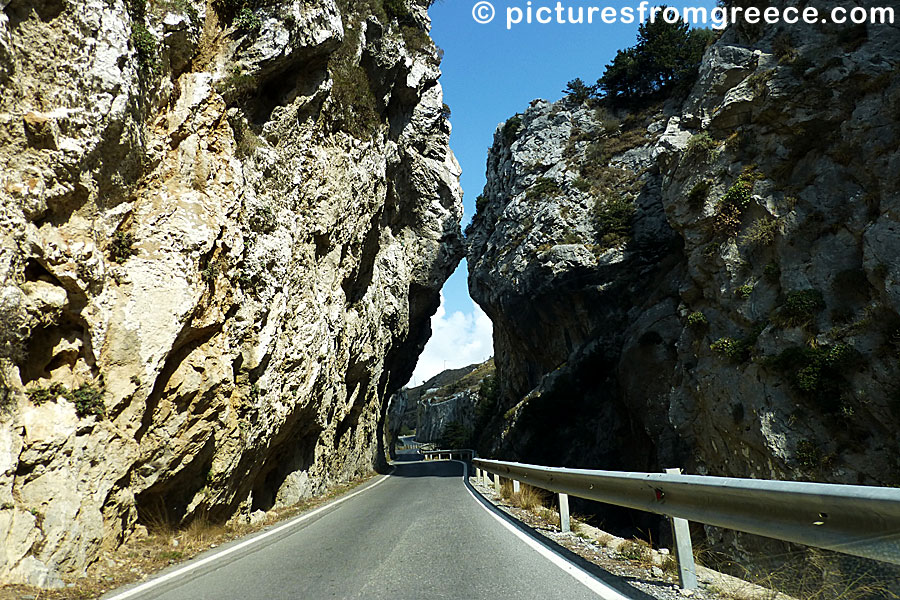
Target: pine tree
578	91
666	54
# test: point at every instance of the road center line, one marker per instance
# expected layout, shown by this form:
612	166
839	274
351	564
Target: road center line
246	543
580	575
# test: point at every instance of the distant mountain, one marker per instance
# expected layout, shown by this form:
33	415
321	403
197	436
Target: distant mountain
451	396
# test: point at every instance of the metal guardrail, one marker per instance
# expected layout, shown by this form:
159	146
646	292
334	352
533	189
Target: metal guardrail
853	519
461	453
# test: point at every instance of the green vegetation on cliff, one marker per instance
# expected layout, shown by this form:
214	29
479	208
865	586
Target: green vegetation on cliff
87	398
666	55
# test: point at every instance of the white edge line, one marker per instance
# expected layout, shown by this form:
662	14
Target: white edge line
580	575
190	567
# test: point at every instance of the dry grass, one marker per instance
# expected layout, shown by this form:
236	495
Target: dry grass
157	521
576	523
637	550
530	498
538	502
670	565
195	537
548	515
527	498
200	533
817	576
809	574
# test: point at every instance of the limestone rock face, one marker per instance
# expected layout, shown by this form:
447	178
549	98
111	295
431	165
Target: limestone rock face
219	253
401	415
708	282
435	418
446	406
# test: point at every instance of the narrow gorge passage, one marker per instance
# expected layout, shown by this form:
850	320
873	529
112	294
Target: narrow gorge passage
234	244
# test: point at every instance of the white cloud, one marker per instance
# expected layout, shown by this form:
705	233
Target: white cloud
457	340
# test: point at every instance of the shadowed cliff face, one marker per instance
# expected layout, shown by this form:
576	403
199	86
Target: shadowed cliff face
558	285
707	283
221	245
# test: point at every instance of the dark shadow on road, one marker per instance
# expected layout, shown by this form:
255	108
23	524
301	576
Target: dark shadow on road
620	584
431	468
408	457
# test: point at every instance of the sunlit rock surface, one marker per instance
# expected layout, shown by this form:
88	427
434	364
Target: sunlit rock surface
219	253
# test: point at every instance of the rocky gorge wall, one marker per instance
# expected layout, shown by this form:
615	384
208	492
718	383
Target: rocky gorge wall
222	236
452	405
708	282
434	417
445	403
403	406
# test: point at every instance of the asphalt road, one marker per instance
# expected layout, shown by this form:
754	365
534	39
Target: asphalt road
418	534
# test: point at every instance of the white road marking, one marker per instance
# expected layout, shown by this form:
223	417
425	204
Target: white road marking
190	567
580	575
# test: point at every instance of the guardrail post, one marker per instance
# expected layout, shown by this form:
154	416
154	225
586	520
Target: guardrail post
497	483
564	524
484	478
515	486
684	550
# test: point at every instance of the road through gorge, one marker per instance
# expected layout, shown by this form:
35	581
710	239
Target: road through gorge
417	533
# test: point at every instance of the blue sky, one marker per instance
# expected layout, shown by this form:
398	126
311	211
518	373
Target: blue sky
489	74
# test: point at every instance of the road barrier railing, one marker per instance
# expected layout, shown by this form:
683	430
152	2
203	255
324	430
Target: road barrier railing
853	519
458	454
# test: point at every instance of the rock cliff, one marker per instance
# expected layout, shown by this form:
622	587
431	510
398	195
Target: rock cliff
437	418
403	405
223	230
445	407
707	282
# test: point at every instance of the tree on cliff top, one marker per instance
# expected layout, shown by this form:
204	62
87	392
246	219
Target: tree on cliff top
666	54
578	91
